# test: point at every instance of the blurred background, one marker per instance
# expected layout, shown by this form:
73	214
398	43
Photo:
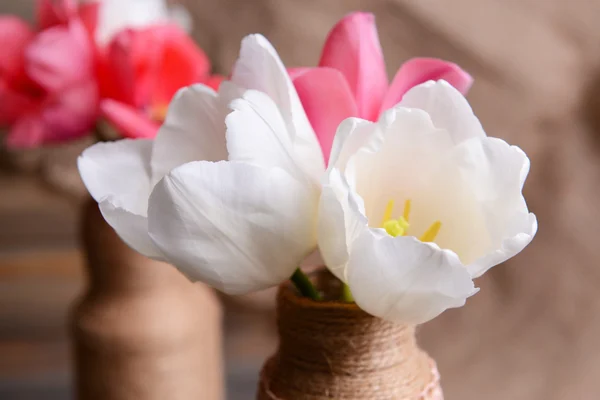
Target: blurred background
531	333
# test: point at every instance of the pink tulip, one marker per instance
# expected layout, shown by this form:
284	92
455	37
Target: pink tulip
60	12
351	79
141	70
48	92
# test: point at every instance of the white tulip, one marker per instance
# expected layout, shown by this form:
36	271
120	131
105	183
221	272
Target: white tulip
234	209
116	15
418	204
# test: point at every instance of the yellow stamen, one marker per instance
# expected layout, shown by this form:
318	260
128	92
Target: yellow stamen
432	232
403	223
387	215
394	228
406	210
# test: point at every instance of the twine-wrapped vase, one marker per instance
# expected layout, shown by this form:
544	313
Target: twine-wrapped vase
334	350
141	330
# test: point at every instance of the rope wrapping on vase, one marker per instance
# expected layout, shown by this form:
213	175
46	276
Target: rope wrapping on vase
334	350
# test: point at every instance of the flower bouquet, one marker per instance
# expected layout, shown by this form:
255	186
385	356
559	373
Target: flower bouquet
397	187
98	70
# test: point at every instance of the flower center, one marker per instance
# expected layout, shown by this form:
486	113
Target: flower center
399	226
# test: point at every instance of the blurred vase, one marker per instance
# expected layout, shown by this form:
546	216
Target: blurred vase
142	330
334	350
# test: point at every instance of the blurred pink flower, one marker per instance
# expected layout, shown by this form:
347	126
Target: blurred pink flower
351	79
56	82
140	71
48	91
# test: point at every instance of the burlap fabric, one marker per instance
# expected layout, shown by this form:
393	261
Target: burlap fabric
334	350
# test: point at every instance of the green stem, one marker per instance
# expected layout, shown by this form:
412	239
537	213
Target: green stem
304	285
347	294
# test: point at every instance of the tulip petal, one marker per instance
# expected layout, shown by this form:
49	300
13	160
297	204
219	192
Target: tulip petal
193	131
404	137
132	228
130	122
420	70
103	166
341	211
60	56
15	35
260	68
72	113
55	12
117	176
179	15
297	72
118	66
327	100
257	134
235	226
352	135
404	280
496	172
214	81
88	14
447	108
341	220
353	48
146	67
117	15
182	63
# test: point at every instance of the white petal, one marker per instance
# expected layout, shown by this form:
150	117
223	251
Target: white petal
260	68
194	130
402	279
116	15
447	108
132	228
181	16
401	163
340	222
374	157
116	175
234	226
257	134
353	135
520	233
496	172
118	170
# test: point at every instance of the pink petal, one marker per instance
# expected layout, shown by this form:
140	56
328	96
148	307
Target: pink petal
296	72
353	48
88	14
15	103
28	132
60	56
327	100
72	113
129	121
214	81
118	67
182	64
15	35
55	12
420	70
150	65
